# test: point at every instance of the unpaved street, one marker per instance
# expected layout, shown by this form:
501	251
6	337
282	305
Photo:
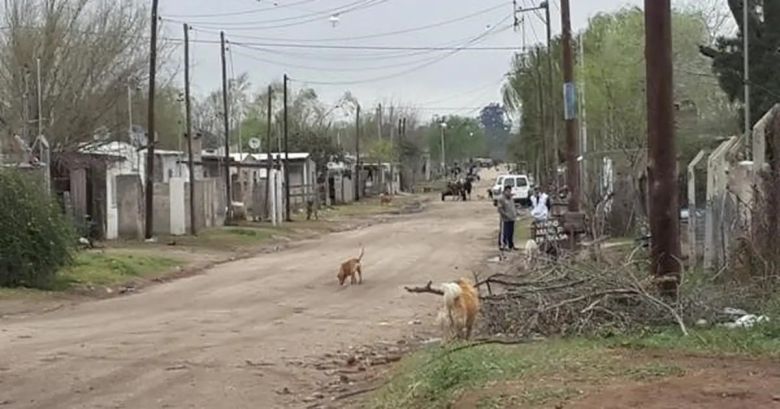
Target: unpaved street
186	344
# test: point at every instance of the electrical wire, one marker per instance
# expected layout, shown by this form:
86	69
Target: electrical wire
373	56
241	13
415	68
385	34
351	69
291	21
481	88
379	47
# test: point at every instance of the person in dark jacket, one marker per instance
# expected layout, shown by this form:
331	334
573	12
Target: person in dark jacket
508	214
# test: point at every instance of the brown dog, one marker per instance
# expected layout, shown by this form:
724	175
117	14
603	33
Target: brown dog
461	304
385	199
352	268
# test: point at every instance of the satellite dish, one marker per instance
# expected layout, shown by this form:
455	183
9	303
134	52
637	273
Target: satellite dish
254	144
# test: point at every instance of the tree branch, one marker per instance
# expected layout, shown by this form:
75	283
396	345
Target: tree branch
427	289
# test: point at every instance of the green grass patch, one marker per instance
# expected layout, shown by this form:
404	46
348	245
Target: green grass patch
545	372
434	377
107	269
761	340
230	238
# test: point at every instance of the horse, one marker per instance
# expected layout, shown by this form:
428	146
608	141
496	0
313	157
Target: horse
454	189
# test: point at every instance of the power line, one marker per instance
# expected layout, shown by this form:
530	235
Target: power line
313	68
385	34
415	68
292	21
243	12
373	56
481	88
377	47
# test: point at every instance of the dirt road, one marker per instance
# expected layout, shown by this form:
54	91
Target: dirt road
224	339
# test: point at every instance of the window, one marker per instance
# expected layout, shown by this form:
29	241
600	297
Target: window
522	182
509	182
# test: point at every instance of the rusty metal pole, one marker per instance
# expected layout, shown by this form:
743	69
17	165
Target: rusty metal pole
570	111
662	162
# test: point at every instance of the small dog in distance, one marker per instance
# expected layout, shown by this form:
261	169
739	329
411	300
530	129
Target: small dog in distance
353	269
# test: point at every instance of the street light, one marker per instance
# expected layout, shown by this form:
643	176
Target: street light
443	126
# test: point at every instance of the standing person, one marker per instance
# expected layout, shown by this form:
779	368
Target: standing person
540	206
508	214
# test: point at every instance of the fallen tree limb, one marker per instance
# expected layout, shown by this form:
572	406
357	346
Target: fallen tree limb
357	392
427	289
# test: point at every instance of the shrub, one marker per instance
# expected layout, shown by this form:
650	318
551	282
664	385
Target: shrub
35	238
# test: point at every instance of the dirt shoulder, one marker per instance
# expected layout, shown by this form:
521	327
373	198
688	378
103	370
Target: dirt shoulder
576	373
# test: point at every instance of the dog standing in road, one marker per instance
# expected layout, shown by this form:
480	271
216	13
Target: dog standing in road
385	199
461	304
353	269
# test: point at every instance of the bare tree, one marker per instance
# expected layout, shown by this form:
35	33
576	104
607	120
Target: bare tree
89	50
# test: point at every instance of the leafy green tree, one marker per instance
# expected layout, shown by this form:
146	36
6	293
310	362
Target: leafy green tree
464	138
764	39
496	125
613	75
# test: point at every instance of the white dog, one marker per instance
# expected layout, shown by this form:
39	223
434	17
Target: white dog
531	253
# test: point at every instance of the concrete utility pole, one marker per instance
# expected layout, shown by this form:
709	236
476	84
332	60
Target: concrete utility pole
746	52
662	164
357	152
188	120
150	139
542	122
40	98
584	122
570	111
269	160
551	99
287	216
546	161
443	159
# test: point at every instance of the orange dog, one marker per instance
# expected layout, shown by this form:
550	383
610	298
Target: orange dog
352	268
385	199
461	304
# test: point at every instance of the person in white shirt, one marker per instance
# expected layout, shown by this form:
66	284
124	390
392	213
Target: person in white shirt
540	206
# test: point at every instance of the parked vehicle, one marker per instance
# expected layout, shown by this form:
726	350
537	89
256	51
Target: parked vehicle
521	188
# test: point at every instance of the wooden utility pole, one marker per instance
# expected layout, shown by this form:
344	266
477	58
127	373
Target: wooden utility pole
229	196
269	159
662	162
551	98
357	152
570	111
150	139
188	120
288	216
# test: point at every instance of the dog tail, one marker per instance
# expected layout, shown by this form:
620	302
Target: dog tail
362	251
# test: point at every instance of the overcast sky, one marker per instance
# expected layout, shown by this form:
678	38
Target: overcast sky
437	82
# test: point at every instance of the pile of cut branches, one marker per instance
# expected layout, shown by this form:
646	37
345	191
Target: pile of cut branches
572	298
